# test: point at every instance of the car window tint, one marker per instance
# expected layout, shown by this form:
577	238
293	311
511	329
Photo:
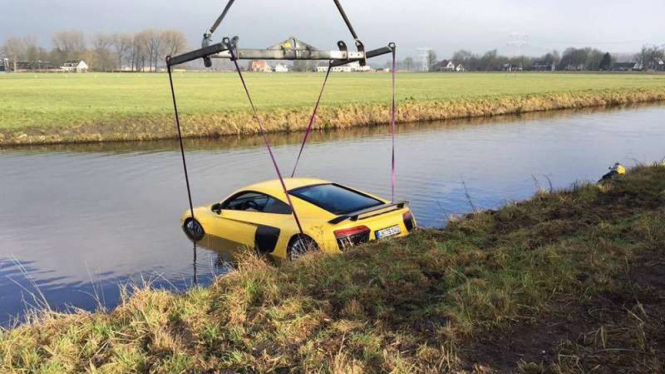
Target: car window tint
335	198
249	201
257	202
277	207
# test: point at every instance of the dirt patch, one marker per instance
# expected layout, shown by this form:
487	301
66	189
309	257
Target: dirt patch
618	331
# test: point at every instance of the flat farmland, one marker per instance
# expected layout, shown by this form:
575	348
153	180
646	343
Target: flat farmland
54	108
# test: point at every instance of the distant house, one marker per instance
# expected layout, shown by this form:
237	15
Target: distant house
660	65
460	68
281	68
260	66
444	65
572	67
353	67
75	66
34	65
626	66
22	66
543	66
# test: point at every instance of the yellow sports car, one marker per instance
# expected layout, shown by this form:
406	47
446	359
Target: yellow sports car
333	218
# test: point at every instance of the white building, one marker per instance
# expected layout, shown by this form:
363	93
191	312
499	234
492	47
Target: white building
444	65
281	68
78	66
353	67
460	68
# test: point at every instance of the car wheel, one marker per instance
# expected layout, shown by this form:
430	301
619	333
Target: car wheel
301	245
193	229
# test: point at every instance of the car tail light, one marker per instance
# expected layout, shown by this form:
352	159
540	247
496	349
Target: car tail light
409	222
350	237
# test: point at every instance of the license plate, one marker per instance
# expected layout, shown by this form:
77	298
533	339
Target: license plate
386	233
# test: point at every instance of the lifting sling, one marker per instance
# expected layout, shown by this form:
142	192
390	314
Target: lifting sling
292	49
311	121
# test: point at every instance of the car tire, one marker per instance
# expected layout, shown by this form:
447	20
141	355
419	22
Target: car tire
193	229
301	245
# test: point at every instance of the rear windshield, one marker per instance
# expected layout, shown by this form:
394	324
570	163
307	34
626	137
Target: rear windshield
335	198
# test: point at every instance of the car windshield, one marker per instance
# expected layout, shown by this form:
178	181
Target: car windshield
335	198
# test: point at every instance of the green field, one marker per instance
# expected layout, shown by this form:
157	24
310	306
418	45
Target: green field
95	102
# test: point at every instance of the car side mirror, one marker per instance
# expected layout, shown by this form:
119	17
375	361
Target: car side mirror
217	208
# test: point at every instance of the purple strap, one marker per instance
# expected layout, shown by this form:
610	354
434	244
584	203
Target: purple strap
312	120
265	139
393	127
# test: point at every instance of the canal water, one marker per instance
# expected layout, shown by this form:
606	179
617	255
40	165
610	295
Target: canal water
78	221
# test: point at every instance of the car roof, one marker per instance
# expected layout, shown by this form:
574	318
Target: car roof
274	187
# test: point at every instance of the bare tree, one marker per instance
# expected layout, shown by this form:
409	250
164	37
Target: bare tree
69	44
35	55
431	60
103	57
153	45
650	56
122	44
408	63
132	53
31	48
174	42
140	50
15	50
462	57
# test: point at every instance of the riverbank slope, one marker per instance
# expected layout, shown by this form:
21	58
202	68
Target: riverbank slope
67	108
567	282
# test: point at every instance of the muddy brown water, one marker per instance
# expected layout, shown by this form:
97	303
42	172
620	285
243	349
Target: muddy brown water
76	221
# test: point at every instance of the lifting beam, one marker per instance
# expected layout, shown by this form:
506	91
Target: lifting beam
291	49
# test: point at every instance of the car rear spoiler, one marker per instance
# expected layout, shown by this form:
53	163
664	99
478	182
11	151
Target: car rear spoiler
373	212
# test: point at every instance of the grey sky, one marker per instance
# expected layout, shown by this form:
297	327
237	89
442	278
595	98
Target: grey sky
479	25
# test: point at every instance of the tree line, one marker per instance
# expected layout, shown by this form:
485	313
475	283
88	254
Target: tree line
144	50
572	59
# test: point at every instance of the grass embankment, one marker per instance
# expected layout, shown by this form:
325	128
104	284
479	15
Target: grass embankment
52	108
568	282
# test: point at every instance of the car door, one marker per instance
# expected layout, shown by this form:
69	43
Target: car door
238	219
254	220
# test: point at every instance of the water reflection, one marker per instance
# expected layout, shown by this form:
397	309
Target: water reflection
227	254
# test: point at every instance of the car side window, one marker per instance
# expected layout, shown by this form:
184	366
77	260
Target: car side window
256	202
247	202
277	207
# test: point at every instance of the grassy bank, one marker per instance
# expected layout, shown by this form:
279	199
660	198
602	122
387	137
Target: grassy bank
568	282
53	108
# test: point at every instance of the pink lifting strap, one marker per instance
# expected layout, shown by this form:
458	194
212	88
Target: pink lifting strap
265	139
393	126
312	120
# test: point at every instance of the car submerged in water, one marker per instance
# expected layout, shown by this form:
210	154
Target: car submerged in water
333	218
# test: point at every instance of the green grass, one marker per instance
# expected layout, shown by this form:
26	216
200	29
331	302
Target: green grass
568	282
69	104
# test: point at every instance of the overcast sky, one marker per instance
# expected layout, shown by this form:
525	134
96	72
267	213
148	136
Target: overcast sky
445	26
